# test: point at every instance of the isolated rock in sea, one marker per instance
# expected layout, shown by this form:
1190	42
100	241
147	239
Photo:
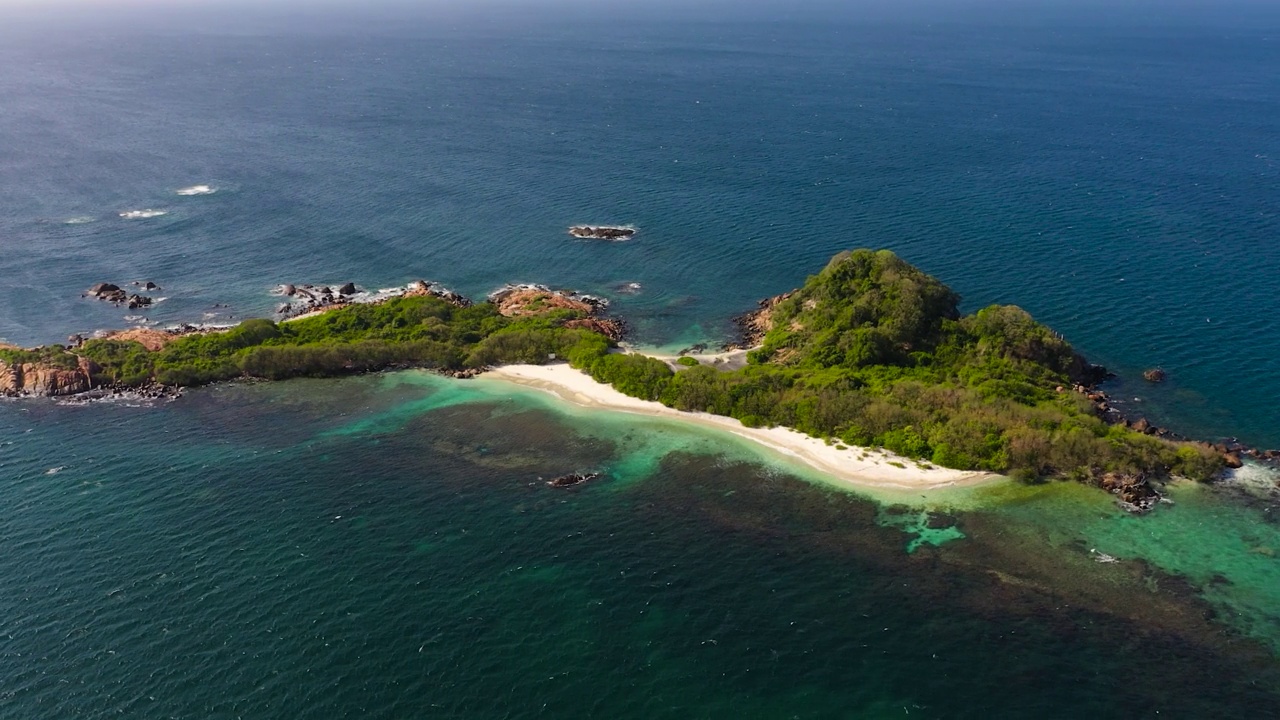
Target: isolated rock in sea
572	479
1134	493
348	289
1154	375
601	232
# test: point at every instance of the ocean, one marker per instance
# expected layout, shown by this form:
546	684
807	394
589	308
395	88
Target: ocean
384	546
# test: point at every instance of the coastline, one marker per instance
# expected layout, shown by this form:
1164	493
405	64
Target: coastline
854	466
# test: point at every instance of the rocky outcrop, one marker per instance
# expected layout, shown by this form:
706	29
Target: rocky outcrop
753	326
1154	375
572	479
310	298
602	232
612	328
41	379
527	299
1133	492
152	340
108	292
419	288
462	373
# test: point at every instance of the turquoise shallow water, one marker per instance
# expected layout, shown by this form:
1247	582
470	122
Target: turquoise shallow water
385	546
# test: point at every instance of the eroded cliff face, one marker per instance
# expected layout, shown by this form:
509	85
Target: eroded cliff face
39	379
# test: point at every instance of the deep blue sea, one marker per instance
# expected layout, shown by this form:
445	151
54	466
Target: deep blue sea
379	547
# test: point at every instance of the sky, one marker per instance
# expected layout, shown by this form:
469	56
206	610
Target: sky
401	16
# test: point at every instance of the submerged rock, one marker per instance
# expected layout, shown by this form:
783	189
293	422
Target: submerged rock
572	479
1154	375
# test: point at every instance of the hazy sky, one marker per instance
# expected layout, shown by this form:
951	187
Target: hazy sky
396	16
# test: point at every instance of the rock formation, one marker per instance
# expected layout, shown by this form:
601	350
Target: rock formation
754	325
572	479
41	379
601	232
525	299
108	292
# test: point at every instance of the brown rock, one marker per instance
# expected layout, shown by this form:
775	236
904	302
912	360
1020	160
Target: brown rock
152	340
1142	425
44	380
1154	375
613	329
1232	460
10	379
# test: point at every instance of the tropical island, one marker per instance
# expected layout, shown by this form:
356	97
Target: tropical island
870	353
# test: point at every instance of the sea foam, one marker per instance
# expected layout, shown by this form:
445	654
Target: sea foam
142	214
197	190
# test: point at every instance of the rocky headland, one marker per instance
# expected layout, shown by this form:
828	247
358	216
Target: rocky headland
517	300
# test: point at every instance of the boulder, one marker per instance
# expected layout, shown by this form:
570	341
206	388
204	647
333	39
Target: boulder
103	288
348	289
1142	425
1232	460
1154	375
572	479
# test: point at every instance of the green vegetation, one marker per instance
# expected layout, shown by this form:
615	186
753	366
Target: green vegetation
870	352
874	352
407	331
51	355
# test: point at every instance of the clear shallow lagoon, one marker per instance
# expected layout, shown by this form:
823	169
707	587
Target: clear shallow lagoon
383	545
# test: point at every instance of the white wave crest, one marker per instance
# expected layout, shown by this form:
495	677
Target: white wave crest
197	190
79	220
142	214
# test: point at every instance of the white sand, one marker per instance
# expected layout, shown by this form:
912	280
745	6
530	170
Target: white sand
875	471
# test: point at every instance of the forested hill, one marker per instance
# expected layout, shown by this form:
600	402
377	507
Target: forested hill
873	352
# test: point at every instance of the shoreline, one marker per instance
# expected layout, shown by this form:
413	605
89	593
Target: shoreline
854	466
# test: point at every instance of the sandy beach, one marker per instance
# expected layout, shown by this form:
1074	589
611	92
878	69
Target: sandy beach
857	466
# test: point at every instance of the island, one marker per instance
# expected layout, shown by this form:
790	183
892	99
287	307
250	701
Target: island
871	356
